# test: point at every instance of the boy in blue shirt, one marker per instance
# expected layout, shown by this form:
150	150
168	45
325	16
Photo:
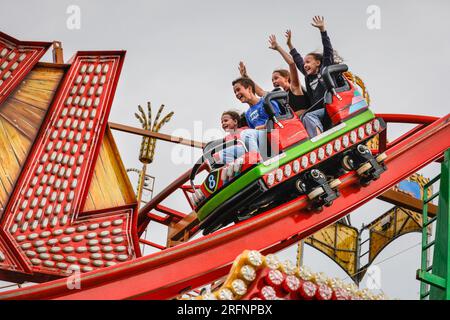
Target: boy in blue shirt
256	116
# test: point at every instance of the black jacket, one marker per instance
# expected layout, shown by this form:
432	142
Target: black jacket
314	87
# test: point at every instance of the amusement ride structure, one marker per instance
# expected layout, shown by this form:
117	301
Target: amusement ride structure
67	206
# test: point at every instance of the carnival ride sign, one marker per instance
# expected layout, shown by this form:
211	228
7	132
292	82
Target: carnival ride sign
44	232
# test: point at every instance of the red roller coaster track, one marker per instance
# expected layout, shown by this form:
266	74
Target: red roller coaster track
165	274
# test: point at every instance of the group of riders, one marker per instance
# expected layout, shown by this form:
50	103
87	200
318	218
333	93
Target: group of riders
251	125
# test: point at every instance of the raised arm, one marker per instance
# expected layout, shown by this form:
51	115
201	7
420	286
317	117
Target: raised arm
295	81
328	54
243	71
298	59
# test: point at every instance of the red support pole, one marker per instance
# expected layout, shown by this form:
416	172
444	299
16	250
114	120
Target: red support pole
152	244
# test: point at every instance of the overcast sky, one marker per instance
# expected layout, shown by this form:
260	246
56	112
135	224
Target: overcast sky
184	54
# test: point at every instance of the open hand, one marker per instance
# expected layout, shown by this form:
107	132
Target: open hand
319	22
288	36
273	44
242	69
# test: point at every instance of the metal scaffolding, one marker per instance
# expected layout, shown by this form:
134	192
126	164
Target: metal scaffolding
434	276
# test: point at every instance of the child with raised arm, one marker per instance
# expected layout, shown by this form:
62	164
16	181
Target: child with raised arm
296	97
287	80
311	67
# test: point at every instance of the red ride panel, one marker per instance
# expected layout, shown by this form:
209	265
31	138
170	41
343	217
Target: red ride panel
43	222
352	101
292	132
17	58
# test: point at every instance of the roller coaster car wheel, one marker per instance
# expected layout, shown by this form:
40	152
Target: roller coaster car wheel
347	163
381	157
301	188
252	213
212	229
364	168
365	182
315	193
328	204
318	208
363	150
315	207
335	183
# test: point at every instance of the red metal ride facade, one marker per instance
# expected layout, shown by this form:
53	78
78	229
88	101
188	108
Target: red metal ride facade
17	58
44	234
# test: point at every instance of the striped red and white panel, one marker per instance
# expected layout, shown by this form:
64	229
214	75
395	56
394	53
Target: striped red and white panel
43	219
17	58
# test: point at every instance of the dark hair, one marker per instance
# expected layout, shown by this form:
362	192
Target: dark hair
284	73
242	121
316	55
233	114
245	82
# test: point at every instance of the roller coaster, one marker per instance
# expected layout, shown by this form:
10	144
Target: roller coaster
47	226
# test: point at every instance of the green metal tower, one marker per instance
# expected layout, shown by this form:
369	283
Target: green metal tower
437	275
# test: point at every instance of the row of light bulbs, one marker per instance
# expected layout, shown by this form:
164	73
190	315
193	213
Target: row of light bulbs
287	170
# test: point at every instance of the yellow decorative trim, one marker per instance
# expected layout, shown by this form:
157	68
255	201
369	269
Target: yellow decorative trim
239	278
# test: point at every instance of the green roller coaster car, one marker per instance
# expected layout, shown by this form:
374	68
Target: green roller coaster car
302	166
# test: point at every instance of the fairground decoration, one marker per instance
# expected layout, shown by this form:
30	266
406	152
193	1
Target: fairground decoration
44	234
257	277
66	201
17	58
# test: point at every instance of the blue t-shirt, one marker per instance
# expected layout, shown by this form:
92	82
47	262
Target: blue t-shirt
257	116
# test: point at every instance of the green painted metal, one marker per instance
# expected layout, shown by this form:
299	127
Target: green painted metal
291	154
424	268
441	254
438	278
432	279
